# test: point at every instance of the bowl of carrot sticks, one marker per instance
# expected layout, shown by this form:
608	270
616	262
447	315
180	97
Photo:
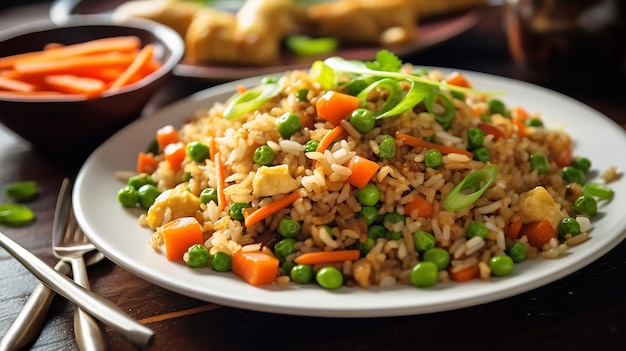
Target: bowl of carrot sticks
66	88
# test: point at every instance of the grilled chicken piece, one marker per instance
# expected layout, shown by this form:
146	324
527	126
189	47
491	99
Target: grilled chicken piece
175	14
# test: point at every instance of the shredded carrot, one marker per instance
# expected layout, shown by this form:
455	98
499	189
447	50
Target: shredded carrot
271	208
141	60
221	181
179	234
334	106
424	208
458	79
316	257
255	267
520	126
519	112
514	229
166	135
416	142
174	154
538	233
465	274
327	139
362	171
146	163
489	128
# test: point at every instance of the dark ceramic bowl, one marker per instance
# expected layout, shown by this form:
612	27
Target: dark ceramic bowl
67	123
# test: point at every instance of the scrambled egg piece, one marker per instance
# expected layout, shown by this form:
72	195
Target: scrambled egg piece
274	180
537	204
171	204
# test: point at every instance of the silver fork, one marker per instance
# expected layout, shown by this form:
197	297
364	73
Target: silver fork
70	244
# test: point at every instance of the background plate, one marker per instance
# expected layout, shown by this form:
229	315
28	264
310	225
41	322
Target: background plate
428	33
114	230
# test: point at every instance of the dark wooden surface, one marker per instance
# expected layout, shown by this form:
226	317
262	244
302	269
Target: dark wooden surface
584	310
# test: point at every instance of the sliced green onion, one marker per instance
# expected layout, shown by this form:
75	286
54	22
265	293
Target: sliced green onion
21	190
302	45
323	74
416	94
250	100
16	214
394	93
599	190
447	116
470	188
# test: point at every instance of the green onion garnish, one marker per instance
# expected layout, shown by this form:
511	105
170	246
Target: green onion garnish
470	189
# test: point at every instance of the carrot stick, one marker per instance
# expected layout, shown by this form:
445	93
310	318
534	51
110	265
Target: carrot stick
142	59
538	233
465	274
316	257
221	181
334	106
362	171
424	208
416	142
92	47
16	85
179	234
69	65
255	267
71	84
271	208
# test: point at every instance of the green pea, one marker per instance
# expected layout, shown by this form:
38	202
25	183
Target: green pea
501	265
586	205
423	240
21	190
582	163
424	274
207	195
236	210
574	175
197	151
16	215
368	195
197	256
263	155
569	226
376	231
369	213
221	262
599	190
387	147
517	252
365	246
476	228
362	120
393	218
128	196
329	278
393	235
539	162
433	158
284	248
138	180
288	124
311	146
287	267
534	122
302	273
497	106
438	256
147	194
475	137
482	154
302	95
289	228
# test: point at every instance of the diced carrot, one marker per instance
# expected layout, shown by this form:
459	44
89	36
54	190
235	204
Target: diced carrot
564	158
458	79
514	229
241	88
271	208
146	163
16	85
464	274
316	257
142	59
255	267
519	112
520	126
334	106
424	208
417	142
179	234
538	232
174	154
362	171
70	84
166	135
489	128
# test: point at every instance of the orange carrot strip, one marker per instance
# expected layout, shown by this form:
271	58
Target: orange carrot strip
40	94
255	267
93	47
166	135
538	233
174	154
221	181
465	274
424	208
416	142
143	58
179	235
327	139
69	65
520	126
271	208
362	171
514	229
334	106
146	163
8	62
458	79
71	84
16	85
519	112
316	257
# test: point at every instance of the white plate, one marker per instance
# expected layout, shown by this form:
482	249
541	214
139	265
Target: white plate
114	230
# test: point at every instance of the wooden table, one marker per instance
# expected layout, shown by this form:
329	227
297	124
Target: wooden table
586	309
